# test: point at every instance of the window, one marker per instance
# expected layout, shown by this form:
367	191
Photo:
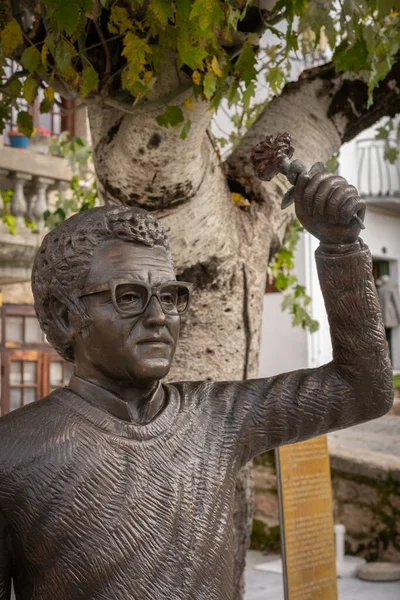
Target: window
270	287
55	121
30	368
379	268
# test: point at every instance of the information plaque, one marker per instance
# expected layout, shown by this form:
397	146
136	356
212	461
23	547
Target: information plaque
308	551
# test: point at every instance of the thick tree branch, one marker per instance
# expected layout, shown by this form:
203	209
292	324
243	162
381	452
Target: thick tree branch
348	109
322	110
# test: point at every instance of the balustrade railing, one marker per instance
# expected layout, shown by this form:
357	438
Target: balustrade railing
32	185
377	178
30	197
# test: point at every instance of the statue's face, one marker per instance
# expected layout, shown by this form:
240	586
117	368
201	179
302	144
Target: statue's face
129	349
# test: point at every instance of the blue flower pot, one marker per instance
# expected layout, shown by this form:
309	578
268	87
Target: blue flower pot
18	141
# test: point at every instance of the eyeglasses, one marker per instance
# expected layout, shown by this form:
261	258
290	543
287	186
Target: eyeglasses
131	298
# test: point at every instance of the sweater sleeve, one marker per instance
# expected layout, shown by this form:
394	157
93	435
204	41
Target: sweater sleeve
5	561
356	386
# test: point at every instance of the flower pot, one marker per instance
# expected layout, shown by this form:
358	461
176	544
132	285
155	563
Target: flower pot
39	143
18	140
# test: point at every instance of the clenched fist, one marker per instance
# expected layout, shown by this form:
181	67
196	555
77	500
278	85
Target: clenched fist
326	205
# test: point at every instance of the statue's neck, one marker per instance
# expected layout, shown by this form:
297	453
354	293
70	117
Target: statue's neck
143	399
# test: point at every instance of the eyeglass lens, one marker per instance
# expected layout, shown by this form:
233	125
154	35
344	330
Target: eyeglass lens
132	298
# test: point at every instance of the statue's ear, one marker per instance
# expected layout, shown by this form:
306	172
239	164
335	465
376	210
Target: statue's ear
61	315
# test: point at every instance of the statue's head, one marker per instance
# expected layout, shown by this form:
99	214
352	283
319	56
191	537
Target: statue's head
106	295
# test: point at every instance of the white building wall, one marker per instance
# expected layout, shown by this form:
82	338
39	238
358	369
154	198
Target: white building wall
319	343
283	347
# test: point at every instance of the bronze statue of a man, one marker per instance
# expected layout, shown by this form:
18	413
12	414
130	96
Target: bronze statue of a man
120	486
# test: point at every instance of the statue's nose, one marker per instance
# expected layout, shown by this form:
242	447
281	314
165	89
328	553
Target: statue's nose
154	314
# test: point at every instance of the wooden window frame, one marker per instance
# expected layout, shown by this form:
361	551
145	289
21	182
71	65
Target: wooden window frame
40	352
21	355
18	310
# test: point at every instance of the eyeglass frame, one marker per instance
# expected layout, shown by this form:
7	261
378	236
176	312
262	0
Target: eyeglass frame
152	290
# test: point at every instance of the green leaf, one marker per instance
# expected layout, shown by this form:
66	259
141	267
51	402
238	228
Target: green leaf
11	222
384	7
299	291
354	58
245	67
31	59
208	12
30	90
191	55
90	81
248	94
209	84
333	163
233	94
382	133
162	10
49	93
46	106
15	87
281	281
391	154
11	37
24	122
5	115
136	51
50	43
276	79
182	16
64	53
185	129
119	21
172	116
68	14
287	301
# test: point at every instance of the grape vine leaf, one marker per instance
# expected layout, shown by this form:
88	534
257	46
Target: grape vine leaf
24	122
64	53
90	81
209	84
30	90
185	130
172	116
162	10
11	37
351	58
191	55
31	59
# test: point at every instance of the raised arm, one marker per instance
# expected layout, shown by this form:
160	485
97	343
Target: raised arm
5	562
358	384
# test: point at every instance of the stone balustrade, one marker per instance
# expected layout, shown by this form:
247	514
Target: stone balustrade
33	178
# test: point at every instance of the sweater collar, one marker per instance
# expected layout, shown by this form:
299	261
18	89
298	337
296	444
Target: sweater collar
108	401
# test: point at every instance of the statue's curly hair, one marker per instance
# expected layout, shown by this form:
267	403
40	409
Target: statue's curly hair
63	261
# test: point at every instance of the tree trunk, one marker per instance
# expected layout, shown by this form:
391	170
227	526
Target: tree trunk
216	245
224	250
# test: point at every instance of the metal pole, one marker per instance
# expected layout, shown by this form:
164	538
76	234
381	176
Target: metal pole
282	524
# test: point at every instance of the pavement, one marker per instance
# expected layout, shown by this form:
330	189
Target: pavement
380	435
269	586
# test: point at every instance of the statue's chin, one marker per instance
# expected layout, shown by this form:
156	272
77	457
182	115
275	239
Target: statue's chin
153	368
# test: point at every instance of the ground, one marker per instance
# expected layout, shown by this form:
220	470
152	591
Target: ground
269	586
